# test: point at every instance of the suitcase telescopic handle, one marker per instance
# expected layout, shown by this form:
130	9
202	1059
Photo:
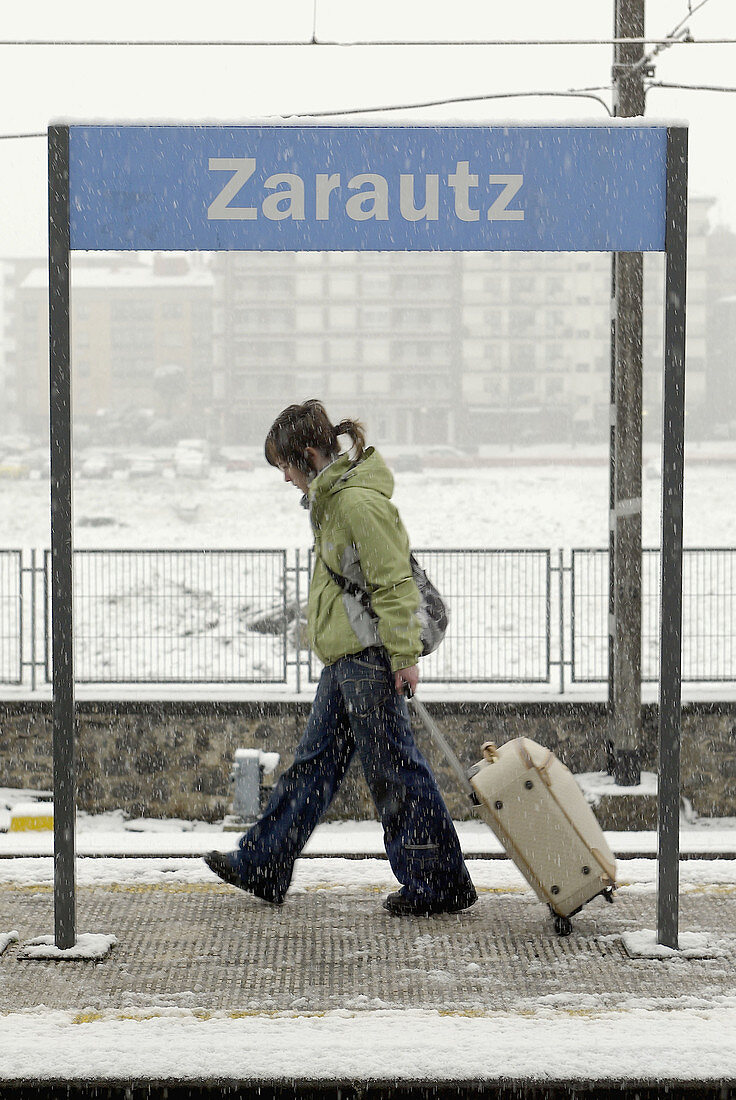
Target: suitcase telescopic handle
441	741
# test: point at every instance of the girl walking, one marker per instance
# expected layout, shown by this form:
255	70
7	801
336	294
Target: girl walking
370	659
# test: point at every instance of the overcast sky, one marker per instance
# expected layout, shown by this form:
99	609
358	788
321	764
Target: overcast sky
39	84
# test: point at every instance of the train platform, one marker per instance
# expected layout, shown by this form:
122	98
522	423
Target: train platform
207	991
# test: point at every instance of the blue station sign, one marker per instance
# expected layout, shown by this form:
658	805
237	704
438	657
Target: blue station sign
368	188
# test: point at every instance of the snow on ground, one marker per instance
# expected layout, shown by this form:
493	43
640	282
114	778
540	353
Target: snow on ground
577	1041
493	506
548	1038
634	875
545	505
114	833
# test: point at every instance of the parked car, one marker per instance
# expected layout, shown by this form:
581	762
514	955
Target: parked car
446	456
234	464
143	467
96	466
408	463
13	466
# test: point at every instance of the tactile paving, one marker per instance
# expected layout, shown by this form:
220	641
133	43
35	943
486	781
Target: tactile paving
210	948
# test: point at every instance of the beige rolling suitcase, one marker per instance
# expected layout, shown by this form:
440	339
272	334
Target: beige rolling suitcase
538	812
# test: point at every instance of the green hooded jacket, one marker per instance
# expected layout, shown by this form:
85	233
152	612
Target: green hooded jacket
359	534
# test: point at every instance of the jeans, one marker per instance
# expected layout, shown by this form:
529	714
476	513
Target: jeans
356	708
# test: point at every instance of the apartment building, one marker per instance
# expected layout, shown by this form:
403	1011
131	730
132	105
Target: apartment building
140	333
447	348
374	334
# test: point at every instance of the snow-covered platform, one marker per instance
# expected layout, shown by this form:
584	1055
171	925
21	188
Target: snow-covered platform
208	988
109	835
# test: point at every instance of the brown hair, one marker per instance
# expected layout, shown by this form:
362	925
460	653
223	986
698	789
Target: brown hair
308	425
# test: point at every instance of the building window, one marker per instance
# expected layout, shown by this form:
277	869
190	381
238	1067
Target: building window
343	352
309	285
522	286
520	385
310	352
309	319
376	352
522	356
342	316
376	284
343	285
523	320
376	318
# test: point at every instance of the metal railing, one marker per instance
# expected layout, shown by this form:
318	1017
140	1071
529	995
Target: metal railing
499	617
708	615
179	616
11	617
237	617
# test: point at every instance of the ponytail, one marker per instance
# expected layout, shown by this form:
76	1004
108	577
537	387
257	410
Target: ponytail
308	425
355	430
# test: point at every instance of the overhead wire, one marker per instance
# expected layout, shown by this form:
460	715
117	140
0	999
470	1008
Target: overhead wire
690	13
581	93
672	39
387	43
689	87
680	34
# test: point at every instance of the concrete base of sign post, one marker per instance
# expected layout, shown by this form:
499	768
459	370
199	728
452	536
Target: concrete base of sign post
90	947
691	945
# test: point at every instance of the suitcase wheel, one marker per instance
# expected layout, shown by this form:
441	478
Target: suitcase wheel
563	925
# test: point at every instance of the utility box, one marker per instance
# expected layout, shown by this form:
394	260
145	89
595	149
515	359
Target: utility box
252	777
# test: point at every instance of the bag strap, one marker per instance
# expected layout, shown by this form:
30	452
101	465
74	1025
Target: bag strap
351	587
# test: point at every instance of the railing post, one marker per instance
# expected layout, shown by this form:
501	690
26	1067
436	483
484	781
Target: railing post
33	620
298	627
21	617
561	567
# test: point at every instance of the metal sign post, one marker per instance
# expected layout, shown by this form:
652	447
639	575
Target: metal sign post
62	634
673	452
288	187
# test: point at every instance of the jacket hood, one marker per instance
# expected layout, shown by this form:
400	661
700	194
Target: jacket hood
371	472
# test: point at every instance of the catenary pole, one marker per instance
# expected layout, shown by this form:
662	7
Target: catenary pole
61	541
625	526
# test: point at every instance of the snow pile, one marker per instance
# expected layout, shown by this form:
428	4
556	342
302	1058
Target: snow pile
691	945
596	784
6	938
89	945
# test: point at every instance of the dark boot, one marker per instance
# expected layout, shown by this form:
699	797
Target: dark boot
230	868
400	904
